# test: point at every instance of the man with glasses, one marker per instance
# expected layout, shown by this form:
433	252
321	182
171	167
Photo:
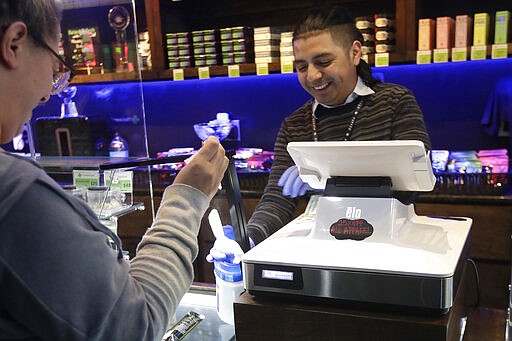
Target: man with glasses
60	276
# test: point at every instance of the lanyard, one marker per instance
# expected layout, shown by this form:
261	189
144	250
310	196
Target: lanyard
350	125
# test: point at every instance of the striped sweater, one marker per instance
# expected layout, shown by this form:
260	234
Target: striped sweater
391	113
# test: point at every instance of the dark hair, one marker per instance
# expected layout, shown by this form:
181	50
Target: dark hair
42	17
340	24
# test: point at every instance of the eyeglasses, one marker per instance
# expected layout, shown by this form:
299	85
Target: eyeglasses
62	77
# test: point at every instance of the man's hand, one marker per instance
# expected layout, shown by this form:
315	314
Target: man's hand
226	249
206	169
292	184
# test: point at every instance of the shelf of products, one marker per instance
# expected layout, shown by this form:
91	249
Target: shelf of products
214	71
166	74
159	18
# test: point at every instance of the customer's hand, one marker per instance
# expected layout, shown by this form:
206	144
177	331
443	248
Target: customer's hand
292	184
206	169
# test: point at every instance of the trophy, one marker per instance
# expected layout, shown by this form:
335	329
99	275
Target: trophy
68	107
119	19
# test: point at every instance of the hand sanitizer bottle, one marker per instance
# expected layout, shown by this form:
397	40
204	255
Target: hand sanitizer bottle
229	286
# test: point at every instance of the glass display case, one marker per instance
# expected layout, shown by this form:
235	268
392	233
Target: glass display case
99	36
84	127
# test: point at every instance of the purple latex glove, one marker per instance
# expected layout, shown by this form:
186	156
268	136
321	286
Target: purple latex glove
292	184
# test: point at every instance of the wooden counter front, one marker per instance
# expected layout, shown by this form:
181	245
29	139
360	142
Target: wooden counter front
271	319
268	318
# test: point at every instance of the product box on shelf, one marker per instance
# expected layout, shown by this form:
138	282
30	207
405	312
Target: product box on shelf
481	29
179	50
237	45
267	33
445	30
502	27
205	48
426	34
463	30
266	44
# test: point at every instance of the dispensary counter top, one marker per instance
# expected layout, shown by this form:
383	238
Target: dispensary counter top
482	323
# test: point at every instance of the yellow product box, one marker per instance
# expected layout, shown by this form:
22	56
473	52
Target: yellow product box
481	29
426	34
463	30
445	31
502	27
